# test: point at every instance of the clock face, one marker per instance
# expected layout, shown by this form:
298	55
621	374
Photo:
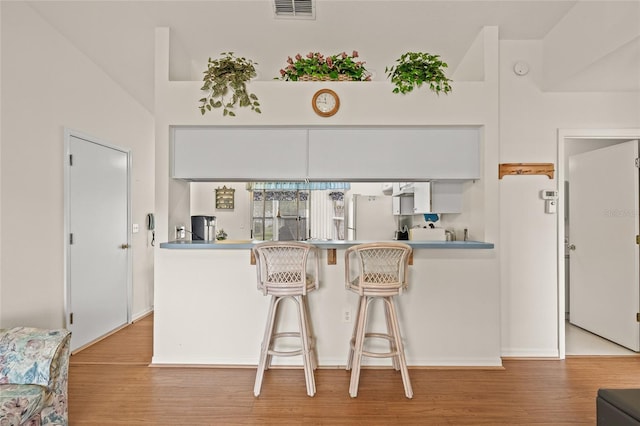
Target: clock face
325	102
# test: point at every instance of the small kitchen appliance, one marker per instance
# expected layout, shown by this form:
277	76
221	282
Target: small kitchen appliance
203	228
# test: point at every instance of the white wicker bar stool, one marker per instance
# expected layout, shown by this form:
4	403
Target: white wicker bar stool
285	273
377	271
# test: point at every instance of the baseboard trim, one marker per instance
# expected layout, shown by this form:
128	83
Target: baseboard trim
142	315
93	342
325	367
139	317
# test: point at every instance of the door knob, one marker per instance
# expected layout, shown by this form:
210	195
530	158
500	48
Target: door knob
572	246
124	246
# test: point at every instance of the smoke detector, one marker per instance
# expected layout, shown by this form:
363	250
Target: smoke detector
297	9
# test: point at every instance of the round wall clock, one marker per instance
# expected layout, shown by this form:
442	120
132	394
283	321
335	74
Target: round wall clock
325	102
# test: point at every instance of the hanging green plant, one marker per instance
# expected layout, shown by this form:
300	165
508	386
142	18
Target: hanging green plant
225	80
413	69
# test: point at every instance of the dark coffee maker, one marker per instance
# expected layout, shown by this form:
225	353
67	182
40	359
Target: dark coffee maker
203	228
403	234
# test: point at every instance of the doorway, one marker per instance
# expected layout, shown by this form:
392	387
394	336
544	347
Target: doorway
572	142
97	241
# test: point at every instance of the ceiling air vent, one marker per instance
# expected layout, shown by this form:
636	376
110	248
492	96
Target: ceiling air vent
301	9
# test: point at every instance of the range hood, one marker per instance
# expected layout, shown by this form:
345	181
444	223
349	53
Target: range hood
402	188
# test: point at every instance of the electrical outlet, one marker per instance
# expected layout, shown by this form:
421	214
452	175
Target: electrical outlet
181	233
346	315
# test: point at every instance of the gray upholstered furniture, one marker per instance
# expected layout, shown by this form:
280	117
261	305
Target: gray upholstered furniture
618	407
34	366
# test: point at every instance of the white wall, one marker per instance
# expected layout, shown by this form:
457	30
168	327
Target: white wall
0	163
45	81
529	123
48	85
470	306
237	222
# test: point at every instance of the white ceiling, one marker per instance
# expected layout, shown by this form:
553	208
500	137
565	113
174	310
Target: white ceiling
119	35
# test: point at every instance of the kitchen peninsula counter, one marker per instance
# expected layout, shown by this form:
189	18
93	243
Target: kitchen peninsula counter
322	244
208	311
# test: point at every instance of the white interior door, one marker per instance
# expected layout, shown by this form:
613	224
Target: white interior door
98	286
603	216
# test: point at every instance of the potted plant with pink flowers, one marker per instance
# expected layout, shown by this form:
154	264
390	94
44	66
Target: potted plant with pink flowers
315	66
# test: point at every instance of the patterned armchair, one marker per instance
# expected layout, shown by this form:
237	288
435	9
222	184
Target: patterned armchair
34	366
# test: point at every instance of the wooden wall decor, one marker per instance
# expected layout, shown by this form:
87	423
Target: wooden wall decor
225	198
526	169
332	258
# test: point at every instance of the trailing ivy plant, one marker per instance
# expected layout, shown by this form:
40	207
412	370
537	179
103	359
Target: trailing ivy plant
225	80
413	69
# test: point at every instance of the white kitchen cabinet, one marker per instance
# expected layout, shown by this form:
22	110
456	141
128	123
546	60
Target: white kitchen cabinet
325	154
422	197
231	153
438	197
394	153
446	197
430	197
402	205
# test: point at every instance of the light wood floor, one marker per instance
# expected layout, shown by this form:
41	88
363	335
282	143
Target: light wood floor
582	342
111	383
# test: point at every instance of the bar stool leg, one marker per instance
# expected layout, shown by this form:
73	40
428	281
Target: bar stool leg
358	346
400	347
312	340
353	336
274	330
390	331
266	345
307	357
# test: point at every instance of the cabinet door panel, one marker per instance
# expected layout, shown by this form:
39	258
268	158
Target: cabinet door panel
446	197
422	198
394	153
201	153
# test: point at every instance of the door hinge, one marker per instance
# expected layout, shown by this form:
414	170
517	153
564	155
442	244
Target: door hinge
70	238
71	318
637	239
638	317
71	160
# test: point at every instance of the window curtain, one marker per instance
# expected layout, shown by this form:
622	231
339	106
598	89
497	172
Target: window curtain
326	209
280	195
327	217
295	186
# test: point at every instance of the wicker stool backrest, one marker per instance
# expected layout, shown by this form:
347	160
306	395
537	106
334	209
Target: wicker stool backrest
282	267
377	267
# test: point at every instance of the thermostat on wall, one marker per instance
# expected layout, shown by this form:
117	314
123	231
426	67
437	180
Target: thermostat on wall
551	200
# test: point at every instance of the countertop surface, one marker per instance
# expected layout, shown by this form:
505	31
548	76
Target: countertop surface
323	244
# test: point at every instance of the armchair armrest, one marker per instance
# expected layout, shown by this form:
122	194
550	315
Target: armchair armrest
33	356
